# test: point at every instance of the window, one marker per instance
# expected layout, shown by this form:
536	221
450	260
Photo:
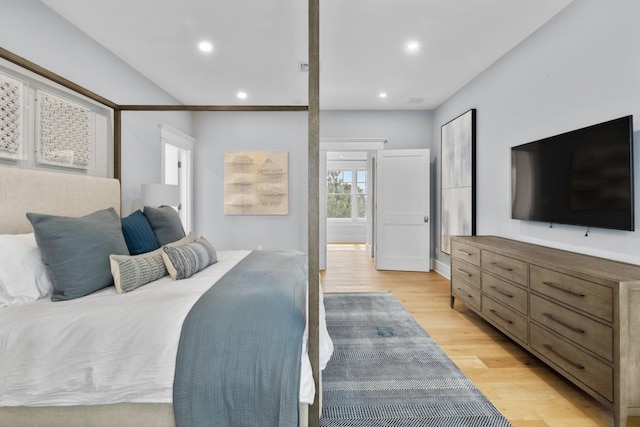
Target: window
361	193
347	194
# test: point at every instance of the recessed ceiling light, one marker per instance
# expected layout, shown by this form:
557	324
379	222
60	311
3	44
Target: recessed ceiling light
242	95
412	46
205	46
382	95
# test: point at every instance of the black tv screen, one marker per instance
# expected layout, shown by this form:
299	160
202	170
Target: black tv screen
583	177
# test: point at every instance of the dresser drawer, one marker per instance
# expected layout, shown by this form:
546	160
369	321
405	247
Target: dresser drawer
466	272
508	268
468	294
465	252
576	327
587	369
509	294
582	294
508	320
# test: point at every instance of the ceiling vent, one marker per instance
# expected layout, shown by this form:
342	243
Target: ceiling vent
415	101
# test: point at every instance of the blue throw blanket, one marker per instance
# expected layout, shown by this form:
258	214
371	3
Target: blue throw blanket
238	361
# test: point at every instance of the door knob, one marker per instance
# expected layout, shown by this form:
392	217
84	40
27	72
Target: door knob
426	218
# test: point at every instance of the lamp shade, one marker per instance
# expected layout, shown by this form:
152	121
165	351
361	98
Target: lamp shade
160	194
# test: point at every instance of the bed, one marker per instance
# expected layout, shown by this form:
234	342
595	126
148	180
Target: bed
106	358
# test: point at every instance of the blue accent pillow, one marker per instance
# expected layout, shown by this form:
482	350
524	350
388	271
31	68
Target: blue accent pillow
75	251
165	223
138	234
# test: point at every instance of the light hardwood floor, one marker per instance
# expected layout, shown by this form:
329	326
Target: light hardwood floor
527	392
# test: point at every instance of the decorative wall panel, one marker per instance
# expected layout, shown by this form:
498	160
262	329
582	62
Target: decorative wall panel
256	183
64	131
11	118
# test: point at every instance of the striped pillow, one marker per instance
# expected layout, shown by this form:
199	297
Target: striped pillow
131	272
184	261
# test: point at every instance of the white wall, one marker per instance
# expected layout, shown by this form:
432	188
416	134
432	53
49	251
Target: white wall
403	129
338	232
580	69
33	31
220	132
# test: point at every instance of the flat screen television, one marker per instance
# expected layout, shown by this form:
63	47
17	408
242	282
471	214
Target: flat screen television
583	177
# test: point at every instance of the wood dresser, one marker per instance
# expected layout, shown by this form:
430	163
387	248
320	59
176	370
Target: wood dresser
577	313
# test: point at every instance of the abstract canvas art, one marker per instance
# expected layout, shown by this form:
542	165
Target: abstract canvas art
458	139
11	118
256	183
64	132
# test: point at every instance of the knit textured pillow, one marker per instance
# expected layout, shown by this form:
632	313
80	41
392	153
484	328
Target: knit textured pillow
184	261
131	272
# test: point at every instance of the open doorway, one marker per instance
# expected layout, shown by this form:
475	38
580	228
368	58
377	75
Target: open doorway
177	169
350	189
348	200
348	197
397	223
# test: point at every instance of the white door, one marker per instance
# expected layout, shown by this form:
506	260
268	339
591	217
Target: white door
402	210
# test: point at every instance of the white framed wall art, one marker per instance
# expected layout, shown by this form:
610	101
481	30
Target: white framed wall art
12	105
458	212
65	132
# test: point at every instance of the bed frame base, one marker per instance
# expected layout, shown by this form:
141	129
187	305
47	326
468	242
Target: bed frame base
117	414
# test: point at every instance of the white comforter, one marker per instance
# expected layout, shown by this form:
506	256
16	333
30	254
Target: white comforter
109	347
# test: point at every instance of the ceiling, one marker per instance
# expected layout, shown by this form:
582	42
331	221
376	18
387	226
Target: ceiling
258	46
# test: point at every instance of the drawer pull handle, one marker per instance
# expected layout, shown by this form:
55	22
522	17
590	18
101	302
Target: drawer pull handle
558	287
463	272
574	364
464	252
500	291
495	313
502	267
566	325
468	295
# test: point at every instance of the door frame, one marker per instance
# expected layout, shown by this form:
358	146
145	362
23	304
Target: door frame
369	145
172	136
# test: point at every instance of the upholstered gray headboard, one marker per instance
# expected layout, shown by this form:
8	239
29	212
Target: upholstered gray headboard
29	190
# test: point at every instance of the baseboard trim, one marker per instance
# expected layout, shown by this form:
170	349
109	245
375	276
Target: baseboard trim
443	269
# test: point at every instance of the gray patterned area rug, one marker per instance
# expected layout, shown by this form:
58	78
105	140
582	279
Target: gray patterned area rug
387	371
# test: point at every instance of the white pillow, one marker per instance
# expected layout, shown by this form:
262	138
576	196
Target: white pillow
23	277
